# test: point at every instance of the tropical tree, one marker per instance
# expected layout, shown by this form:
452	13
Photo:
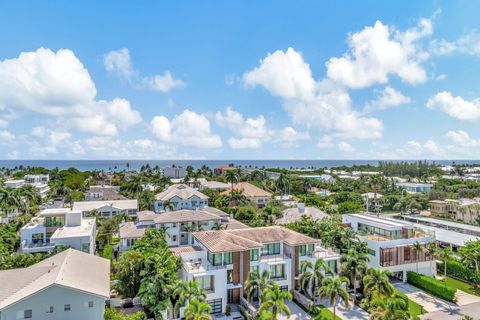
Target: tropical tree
471	254
311	276
354	266
389	308
417	248
9	199
432	252
334	289
168	205
376	282
146	199
283	183
127	273
375	181
219	226
232	177
133	186
274	303
257	284
186	291
445	255
29	193
198	310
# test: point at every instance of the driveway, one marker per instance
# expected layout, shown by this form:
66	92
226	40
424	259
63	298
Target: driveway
429	302
352	313
472	310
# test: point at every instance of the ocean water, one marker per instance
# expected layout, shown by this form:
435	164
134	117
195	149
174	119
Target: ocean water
89	165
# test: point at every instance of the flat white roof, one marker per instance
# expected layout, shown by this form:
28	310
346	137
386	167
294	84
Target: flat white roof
92	205
55	211
83	230
382	222
445	223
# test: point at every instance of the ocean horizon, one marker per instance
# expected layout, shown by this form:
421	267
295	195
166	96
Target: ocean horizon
118	165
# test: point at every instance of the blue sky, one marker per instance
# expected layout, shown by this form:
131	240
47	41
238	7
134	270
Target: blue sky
239	80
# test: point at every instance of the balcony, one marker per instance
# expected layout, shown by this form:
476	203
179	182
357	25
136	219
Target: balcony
200	265
323	253
274	258
417	233
37	247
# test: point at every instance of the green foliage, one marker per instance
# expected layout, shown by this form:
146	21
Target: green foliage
433	286
411	169
127	273
112	314
459	270
107	252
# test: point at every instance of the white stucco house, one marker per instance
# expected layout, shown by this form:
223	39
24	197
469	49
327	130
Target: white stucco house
58	227
107	208
70	285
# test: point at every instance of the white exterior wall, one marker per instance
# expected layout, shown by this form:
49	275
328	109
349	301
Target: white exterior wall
57	297
191	203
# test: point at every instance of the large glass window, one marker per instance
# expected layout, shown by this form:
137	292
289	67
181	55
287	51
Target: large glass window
271	248
86	247
277	271
215	258
37	238
216	305
229	276
254	255
205	282
227	258
55	221
302	250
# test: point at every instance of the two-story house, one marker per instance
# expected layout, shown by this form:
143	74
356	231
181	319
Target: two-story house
107	208
69	285
178	225
253	193
391	244
103	193
220	261
58	227
179	196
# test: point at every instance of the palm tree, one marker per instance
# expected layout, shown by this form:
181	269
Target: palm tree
274	303
445	255
232	177
311	276
257	284
186	291
432	252
283	183
334	289
219	226
354	266
390	308
167	204
133	186
29	193
417	248
377	282
375	181
9	199
198	310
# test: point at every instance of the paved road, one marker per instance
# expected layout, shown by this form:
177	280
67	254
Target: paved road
472	310
429	302
352	313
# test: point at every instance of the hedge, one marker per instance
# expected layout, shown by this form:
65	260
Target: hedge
430	285
458	270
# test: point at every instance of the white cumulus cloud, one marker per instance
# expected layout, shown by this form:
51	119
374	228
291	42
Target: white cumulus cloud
455	106
386	98
118	61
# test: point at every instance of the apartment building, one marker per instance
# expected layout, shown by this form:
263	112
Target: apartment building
178	225
58	227
107	208
178	197
39	181
220	261
390	244
70	285
174	172
253	193
466	210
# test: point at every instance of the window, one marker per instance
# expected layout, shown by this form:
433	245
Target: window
229	276
174	225
90	304
271	248
50	309
227	258
67	307
371	252
86	247
254	255
27	314
277	271
302	250
55	221
131	242
310	248
216	305
205	282
332	265
174	238
215	258
406	253
37	238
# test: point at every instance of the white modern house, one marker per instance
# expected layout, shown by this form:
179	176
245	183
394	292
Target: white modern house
179	196
36	178
39	181
107	208
390	244
58	227
70	285
220	261
174	172
412	187
178	225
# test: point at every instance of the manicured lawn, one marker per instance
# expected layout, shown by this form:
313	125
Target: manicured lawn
460	285
326	314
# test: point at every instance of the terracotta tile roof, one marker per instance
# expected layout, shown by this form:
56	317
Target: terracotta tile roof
180	216
178	251
293	214
130	231
182	191
249	190
249	238
224	241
